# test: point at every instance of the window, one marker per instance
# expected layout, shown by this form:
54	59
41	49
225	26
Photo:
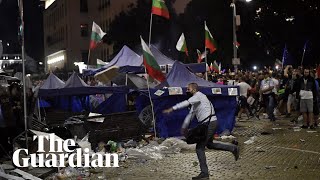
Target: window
84	6
84	30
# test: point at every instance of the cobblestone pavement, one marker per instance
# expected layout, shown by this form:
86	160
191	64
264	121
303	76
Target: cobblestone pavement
278	152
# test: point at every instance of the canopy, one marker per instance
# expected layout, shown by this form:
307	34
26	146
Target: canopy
180	76
160	58
76	86
126	57
52	82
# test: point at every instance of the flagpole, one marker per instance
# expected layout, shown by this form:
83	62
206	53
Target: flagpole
145	69
205	51
88	58
303	57
150	30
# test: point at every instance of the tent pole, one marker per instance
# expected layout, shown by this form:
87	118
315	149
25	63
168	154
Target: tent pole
39	109
20	5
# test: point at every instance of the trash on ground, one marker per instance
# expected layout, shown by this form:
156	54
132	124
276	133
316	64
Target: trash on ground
251	140
311	131
276	128
155	151
296	129
302	140
227	137
270	167
260	149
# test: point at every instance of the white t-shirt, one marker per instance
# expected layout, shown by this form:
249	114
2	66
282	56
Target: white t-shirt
266	84
244	87
276	85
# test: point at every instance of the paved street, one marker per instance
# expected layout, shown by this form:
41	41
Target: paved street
278	152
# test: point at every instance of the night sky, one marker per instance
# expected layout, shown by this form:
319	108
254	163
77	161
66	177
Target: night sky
33	27
267	25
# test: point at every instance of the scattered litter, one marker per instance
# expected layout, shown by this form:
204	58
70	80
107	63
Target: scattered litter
302	140
276	128
296	129
155	151
227	137
259	149
296	167
251	140
25	175
270	167
130	143
311	131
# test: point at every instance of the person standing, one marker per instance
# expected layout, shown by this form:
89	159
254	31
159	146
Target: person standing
202	108
244	88
268	96
307	93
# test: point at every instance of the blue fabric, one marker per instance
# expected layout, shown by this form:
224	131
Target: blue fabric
180	76
44	104
170	125
114	104
197	67
132	69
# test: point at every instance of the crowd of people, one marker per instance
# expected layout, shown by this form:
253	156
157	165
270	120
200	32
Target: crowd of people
278	92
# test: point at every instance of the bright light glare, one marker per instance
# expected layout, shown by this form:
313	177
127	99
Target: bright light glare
255	67
248	0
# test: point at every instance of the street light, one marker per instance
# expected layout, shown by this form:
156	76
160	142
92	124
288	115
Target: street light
255	67
235	55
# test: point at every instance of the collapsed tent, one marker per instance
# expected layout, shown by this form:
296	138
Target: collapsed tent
222	97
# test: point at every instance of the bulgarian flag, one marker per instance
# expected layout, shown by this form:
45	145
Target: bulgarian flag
182	45
159	8
152	67
209	41
215	67
96	35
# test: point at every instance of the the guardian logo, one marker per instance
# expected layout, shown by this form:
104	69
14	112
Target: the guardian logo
59	155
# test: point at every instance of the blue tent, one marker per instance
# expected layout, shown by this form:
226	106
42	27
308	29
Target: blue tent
169	125
126	57
180	76
74	96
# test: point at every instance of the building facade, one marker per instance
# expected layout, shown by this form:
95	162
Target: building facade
67	30
8	59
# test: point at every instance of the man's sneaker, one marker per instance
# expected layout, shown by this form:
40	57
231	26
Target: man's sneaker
312	127
315	125
236	153
304	127
288	115
201	176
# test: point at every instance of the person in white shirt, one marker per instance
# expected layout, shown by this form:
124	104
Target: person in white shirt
202	108
244	88
268	96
